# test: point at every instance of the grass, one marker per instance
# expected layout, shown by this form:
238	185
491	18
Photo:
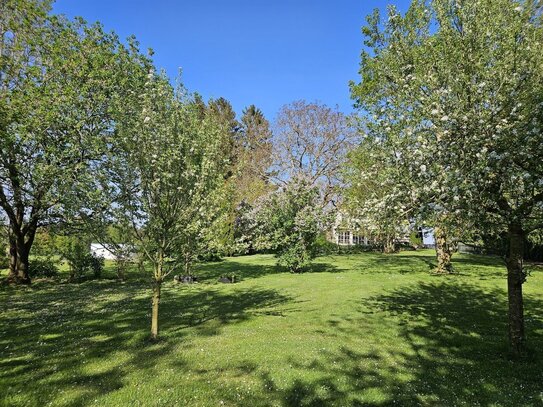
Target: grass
359	330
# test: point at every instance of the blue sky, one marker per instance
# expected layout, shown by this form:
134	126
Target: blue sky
266	53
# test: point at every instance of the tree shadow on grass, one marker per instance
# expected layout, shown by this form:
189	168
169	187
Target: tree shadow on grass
437	343
484	266
395	263
210	272
81	341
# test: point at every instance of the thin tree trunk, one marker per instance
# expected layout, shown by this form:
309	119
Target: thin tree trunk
121	264
515	279
443	251
157	285
121	275
187	266
156	302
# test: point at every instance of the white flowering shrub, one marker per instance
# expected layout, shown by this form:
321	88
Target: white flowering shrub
288	222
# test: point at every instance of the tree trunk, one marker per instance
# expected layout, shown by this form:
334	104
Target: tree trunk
443	251
389	246
23	263
515	279
12	257
156	301
187	266
157	285
121	264
121	275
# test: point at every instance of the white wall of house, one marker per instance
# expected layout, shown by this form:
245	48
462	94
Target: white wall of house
101	251
428	237
346	237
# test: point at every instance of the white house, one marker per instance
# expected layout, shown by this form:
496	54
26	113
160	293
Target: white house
101	250
344	234
428	239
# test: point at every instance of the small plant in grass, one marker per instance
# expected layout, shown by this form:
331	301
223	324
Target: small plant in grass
229	278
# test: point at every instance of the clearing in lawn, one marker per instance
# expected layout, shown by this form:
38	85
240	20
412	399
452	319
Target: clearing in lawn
365	329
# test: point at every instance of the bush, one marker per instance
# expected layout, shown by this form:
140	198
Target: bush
210	256
325	247
4	262
82	262
296	257
289	221
42	268
415	240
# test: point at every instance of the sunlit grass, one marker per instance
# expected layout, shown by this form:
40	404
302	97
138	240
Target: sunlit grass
364	329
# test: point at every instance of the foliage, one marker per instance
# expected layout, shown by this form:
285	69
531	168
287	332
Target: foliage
82	261
415	239
377	200
4	261
60	84
289	222
164	179
42	267
466	130
247	179
454	92
254	149
325	246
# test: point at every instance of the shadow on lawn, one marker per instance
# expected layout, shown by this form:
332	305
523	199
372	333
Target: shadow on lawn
395	263
82	340
448	348
484	266
210	272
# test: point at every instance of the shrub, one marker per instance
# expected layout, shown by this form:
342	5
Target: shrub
415	239
289	222
42	268
4	261
296	257
324	247
209	256
82	262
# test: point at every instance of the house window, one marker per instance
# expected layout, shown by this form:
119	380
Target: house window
357	239
344	237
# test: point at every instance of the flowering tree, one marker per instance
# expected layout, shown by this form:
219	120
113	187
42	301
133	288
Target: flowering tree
457	88
373	196
163	179
288	221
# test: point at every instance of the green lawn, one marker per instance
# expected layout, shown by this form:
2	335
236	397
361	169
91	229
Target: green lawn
358	330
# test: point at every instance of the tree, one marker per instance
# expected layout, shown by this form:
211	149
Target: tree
254	148
461	83
58	80
224	115
373	198
311	140
288	221
248	145
163	178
